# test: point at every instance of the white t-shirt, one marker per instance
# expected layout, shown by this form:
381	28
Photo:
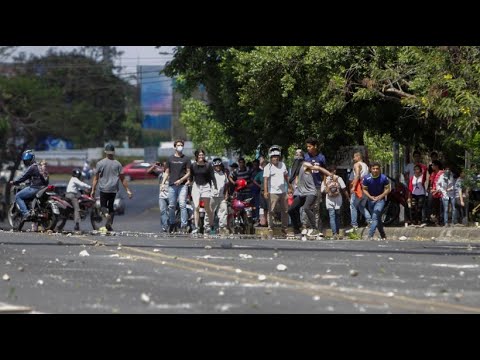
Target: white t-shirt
75	185
276	177
221	180
334	202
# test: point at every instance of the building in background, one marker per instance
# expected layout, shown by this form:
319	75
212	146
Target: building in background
160	105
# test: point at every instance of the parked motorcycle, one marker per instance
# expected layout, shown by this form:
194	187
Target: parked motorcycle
241	216
88	209
44	208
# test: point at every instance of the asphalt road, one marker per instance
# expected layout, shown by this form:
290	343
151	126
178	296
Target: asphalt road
138	271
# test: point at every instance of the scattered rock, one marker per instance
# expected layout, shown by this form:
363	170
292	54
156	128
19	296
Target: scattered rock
21	269
238	271
390	258
316	298
129	272
208	247
24	251
353	273
262	277
156	250
199	280
39	282
281	267
8	263
84	253
245	256
458	296
118	280
402	238
145	298
390	294
6	277
461	273
226	245
221	293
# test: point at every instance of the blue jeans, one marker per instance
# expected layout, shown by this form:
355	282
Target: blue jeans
334	215
445	210
163	205
376	209
25	194
361	205
178	193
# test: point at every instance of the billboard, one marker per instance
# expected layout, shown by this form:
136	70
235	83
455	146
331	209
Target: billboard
156	95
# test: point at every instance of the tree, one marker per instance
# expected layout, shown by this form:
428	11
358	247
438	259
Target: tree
206	133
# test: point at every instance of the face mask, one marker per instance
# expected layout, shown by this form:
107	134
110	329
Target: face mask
179	148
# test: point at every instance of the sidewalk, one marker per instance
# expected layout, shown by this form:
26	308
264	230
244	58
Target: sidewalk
471	233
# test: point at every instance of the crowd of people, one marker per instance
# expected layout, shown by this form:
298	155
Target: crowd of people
295	196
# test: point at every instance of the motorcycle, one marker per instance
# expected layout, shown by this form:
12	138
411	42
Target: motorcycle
44	209
241	215
88	209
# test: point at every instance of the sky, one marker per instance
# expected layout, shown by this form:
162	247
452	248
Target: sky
133	55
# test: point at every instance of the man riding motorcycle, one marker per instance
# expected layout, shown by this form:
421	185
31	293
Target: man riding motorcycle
38	176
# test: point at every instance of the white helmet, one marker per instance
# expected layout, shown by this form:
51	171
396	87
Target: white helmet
274	150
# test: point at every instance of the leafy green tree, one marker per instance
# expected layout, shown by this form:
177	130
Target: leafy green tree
205	132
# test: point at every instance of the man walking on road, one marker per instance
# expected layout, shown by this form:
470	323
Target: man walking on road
108	172
177	172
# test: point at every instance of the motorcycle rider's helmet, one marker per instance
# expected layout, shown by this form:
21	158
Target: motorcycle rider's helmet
28	157
216	162
76	173
109	149
274	150
240	184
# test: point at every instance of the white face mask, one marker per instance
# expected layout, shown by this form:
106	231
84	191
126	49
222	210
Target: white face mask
179	149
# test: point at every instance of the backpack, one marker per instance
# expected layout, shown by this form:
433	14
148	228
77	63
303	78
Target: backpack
332	186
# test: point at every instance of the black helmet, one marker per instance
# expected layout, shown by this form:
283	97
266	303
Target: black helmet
109	149
217	161
76	173
28	157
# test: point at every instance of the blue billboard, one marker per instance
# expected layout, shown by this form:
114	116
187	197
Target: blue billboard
156	96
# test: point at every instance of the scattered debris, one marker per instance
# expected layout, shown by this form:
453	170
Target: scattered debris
156	250
118	280
262	277
458	296
245	256
24	251
145	298
402	238
6	277
281	267
221	293
238	271
129	272
390	258
353	273
208	247
316	298
199	280
226	245
461	273
39	282
114	256
84	253
21	269
390	294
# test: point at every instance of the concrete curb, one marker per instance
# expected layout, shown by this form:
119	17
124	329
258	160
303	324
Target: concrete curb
394	233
